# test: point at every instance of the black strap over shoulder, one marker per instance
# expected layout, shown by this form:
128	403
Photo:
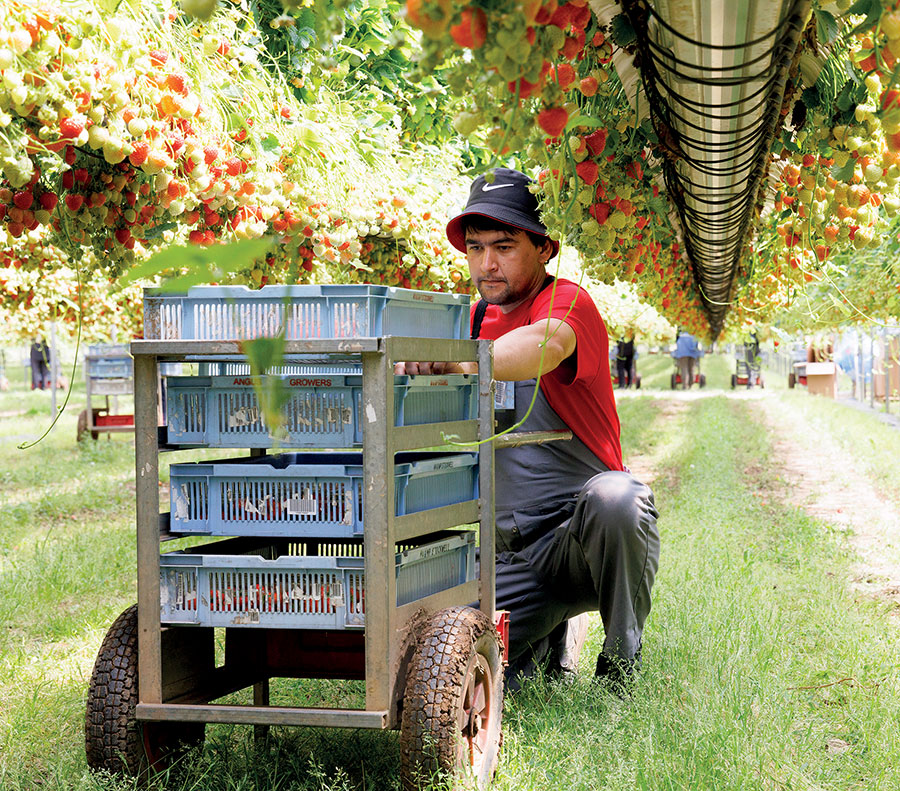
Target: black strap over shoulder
482	305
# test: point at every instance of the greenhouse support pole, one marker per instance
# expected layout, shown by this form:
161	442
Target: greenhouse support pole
872	370
54	367
886	364
860	393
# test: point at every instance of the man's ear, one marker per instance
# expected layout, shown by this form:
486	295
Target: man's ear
546	252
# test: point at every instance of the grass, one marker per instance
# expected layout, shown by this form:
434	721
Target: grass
761	670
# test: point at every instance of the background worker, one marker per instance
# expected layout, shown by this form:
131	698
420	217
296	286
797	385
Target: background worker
40	364
575	532
625	360
687	352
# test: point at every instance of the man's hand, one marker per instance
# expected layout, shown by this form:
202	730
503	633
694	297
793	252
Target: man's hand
439	368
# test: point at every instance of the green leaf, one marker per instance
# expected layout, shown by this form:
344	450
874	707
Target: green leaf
845	173
202	263
159	230
584	120
621	31
826	26
271	145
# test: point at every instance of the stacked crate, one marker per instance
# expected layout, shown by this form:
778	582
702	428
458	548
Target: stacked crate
294	557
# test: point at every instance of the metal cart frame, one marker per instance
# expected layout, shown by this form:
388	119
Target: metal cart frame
176	667
101	386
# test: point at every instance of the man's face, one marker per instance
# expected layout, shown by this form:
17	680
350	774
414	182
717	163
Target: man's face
505	266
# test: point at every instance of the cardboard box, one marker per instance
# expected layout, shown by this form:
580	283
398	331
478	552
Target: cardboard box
821	379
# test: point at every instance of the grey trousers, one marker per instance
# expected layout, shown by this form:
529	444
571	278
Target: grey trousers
599	553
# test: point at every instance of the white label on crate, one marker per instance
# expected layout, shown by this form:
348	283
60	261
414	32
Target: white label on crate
337	594
246	618
370	413
307	505
181	503
248	506
504	395
245	416
348	507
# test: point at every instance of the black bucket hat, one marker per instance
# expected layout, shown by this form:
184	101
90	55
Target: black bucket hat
506	199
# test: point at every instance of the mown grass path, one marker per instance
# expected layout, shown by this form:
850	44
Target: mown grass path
764	667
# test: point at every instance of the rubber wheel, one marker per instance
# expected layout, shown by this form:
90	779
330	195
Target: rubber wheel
82	430
702	380
637	382
674	380
733	381
792	381
114	739
450	726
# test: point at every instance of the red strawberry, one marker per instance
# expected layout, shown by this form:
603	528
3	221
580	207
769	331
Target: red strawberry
589	86
68	180
70	128
562	16
210	155
596	142
74	201
139	153
81	175
122	235
70	155
588	171
177	84
565	75
48	201
553	120
196	237
600	212
23	200
158	57
471	32
233	166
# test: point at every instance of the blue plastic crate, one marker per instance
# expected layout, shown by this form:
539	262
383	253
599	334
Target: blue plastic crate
324	410
299	585
108	361
327	311
307	494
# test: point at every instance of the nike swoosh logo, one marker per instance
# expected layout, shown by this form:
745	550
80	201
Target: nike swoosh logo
489	187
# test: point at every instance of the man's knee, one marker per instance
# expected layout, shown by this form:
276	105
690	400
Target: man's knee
619	504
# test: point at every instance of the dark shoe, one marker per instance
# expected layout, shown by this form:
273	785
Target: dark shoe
616	672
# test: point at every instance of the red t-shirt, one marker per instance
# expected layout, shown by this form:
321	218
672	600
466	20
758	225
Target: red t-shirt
586	403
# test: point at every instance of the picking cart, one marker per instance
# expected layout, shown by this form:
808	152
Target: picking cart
352	575
108	372
699	378
747	369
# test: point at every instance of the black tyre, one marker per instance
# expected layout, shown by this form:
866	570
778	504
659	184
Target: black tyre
674	381
82	430
702	380
114	739
637	382
792	380
453	703
733	381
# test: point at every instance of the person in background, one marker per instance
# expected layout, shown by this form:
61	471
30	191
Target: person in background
575	531
625	360
40	365
686	354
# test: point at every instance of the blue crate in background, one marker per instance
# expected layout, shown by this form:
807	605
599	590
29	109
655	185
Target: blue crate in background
300	585
109	361
307	494
326	311
324	409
